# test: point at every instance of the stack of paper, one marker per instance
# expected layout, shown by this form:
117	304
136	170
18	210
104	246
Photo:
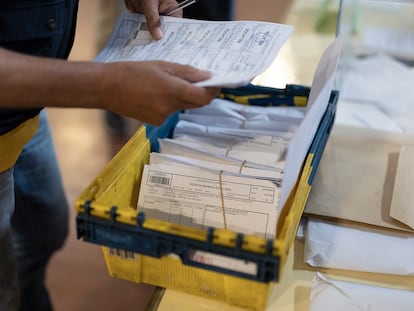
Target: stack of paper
222	168
233	166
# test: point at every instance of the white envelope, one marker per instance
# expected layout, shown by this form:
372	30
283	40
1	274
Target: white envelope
330	245
336	295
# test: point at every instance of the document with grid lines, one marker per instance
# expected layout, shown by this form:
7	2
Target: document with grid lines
235	51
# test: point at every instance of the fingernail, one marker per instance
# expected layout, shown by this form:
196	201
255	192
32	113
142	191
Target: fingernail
158	33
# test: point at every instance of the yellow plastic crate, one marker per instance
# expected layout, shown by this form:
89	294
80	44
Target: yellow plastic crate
161	253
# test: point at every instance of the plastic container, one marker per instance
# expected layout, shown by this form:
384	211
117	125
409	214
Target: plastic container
168	255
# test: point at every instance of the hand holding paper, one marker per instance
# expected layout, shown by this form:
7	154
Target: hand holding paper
235	52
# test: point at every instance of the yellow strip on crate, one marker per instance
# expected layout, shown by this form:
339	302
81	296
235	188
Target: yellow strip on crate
169	272
119	182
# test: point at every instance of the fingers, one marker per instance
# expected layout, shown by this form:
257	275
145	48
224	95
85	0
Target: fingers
151	91
186	72
191	94
195	96
152	10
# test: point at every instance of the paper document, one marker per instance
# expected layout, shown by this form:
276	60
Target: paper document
328	294
394	41
210	156
318	101
197	198
235	51
382	82
230	167
330	245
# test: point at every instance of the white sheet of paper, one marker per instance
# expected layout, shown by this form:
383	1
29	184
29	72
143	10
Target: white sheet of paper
185	149
328	294
229	168
394	41
382	81
265	137
260	124
317	103
196	198
365	114
248	112
235	51
268	153
373	78
228	114
334	246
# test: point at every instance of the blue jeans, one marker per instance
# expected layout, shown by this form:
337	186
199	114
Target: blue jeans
33	223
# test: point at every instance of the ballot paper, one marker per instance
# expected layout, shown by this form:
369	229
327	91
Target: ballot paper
235	51
228	114
397	42
223	107
383	83
265	148
200	199
229	167
176	148
328	294
269	154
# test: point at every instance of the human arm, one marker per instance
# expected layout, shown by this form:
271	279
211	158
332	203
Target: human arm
146	91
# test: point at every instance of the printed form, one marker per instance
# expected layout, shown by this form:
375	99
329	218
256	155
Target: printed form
200	199
235	51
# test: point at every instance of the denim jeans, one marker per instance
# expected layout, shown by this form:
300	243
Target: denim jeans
33	223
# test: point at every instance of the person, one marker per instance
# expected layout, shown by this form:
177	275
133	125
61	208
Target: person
35	40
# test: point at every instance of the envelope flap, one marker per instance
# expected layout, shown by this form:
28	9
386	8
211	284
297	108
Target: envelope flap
402	203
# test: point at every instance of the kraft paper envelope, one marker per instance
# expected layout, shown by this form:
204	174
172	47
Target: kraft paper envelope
366	176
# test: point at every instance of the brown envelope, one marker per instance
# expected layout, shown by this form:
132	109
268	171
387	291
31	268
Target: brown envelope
365	176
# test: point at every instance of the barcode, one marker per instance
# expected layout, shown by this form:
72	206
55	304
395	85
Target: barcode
121	253
159	180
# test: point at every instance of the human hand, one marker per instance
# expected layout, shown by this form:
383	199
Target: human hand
152	91
152	9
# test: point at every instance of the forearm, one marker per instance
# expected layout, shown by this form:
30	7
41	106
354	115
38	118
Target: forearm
147	91
29	82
